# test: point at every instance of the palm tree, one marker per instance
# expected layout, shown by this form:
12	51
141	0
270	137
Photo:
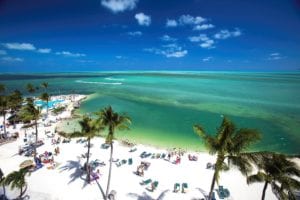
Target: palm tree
45	97
15	102
16	179
112	120
45	85
278	171
30	112
228	143
3	105
89	129
30	88
2	178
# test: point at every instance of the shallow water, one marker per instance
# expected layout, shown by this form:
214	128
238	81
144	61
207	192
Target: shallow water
164	106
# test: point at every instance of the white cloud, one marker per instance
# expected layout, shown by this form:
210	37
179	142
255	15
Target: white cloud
203	27
2	52
167	38
190	20
46	50
20	46
224	34
135	33
69	54
119	5
206	42
207	59
12	59
275	56
169	51
143	20
171	23
120	57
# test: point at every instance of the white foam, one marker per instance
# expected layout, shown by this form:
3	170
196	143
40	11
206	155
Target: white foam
101	83
114	79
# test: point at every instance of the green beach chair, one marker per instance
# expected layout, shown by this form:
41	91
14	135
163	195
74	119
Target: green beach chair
153	186
184	187
130	161
146	182
176	187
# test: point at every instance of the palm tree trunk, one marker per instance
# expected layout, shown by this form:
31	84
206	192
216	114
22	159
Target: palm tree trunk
47	107
88	178
21	192
36	130
212	185
219	161
110	167
264	190
4	124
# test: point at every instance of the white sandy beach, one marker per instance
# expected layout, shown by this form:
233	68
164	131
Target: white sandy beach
66	181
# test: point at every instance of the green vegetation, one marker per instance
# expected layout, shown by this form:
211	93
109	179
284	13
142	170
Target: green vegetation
17	179
89	129
59	110
228	144
113	121
278	171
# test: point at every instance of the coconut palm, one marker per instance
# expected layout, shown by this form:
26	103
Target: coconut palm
17	179
30	88
3	105
2	178
278	171
89	129
113	121
15	101
30	112
228	143
45	97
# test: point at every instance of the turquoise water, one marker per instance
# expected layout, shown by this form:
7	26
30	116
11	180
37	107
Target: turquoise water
164	106
51	104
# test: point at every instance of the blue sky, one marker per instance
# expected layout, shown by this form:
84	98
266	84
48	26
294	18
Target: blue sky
105	35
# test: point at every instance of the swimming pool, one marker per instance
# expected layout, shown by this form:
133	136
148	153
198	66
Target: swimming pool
51	104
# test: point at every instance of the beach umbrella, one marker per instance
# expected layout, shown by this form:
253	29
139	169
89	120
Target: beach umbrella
26	163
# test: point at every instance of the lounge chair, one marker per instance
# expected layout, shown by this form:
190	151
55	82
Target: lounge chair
124	162
223	192
208	165
153	186
184	187
132	150
213	197
146	182
143	154
130	161
104	146
163	156
176	187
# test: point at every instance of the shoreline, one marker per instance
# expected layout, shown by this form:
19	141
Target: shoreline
64	182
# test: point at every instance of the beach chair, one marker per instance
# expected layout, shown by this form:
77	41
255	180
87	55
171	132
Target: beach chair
213	197
143	154
184	187
132	150
130	161
176	187
208	165
153	186
222	193
146	182
163	156
124	162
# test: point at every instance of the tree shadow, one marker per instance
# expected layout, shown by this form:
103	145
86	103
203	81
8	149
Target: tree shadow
204	193
145	196
78	173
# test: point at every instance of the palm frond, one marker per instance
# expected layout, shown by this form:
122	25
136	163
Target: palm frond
259	177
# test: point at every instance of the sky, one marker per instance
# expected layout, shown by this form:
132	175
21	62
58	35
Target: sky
110	35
